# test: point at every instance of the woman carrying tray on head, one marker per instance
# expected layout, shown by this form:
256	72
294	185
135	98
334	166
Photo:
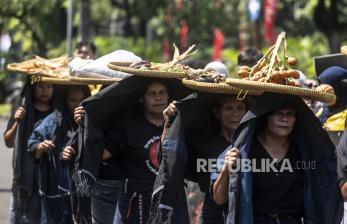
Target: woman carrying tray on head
136	140
46	143
229	111
37	103
299	184
122	125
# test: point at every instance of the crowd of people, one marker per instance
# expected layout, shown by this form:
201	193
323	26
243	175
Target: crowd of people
140	151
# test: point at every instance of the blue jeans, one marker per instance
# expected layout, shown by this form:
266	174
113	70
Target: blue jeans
104	197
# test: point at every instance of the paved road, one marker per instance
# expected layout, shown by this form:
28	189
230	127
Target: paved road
5	175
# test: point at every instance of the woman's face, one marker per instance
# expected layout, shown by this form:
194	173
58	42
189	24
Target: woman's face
281	123
74	99
43	92
156	98
231	113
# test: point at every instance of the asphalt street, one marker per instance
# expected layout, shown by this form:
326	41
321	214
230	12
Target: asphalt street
5	175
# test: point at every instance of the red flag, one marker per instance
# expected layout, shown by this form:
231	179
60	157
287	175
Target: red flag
218	44
184	29
166	50
270	13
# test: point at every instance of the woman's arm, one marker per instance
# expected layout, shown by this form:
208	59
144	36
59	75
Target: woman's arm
221	185
10	134
344	191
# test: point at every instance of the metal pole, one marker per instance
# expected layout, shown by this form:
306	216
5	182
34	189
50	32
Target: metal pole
1	68
69	28
84	20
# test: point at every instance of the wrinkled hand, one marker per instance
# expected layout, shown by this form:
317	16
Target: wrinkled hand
170	111
79	114
19	115
68	152
231	158
46	145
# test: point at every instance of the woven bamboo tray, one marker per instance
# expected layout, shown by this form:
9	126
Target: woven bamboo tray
56	81
148	73
73	80
277	88
94	81
221	88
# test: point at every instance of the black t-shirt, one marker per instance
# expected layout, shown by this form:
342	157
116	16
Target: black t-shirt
212	213
136	142
277	192
210	148
40	115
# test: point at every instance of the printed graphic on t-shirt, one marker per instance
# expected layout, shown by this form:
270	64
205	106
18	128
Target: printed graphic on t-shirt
152	150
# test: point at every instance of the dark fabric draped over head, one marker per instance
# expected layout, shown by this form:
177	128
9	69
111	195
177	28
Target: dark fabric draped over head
23	161
182	146
103	109
323	202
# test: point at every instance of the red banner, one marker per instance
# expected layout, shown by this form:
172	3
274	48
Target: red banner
218	44
184	29
166	50
270	13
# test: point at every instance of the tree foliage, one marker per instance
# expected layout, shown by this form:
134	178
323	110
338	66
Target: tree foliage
39	26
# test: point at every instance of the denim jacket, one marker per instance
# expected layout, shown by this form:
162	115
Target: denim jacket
53	176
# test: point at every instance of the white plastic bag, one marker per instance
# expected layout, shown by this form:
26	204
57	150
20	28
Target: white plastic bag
98	68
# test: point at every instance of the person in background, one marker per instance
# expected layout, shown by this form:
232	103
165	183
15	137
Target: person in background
249	56
85	50
37	103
